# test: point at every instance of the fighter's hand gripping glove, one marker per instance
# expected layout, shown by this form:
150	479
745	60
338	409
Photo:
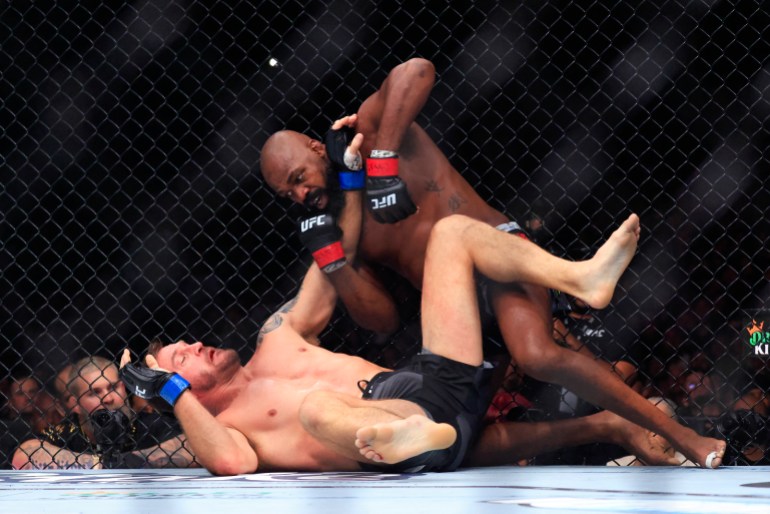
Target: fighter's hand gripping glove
348	165
386	194
153	383
321	235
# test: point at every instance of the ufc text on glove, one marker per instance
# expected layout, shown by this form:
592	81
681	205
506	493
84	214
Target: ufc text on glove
321	235
387	196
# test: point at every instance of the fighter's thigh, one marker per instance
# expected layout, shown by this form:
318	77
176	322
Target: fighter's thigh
321	408
523	314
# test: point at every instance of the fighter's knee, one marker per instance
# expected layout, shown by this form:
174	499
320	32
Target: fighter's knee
312	410
538	360
450	227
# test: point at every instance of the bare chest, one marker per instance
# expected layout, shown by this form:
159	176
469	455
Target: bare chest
267	413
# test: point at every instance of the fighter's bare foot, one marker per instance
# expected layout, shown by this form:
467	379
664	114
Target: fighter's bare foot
602	272
399	440
640	442
707	452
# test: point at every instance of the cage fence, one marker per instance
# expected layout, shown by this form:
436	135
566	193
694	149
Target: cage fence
133	209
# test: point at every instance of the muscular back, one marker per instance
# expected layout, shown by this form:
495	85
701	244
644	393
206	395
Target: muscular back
435	186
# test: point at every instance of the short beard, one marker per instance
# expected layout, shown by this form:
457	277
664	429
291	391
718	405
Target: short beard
334	193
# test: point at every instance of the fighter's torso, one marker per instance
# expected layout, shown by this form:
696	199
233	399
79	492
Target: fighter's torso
436	188
283	370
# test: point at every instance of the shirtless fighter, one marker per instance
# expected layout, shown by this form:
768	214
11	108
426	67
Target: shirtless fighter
410	186
296	406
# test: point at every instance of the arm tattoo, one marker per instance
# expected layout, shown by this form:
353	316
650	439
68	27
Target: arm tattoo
286	307
276	319
172	453
271	324
51	457
433	187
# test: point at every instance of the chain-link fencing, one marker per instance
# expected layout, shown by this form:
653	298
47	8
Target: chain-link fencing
133	210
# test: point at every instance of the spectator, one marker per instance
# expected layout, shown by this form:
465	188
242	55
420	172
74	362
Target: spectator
22	395
102	431
63	395
22	418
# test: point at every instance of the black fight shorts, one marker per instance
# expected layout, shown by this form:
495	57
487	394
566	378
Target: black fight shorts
449	392
559	301
483	283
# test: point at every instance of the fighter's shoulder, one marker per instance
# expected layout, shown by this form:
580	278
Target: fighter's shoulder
276	320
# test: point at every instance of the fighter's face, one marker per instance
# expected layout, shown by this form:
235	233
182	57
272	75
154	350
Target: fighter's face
202	366
301	175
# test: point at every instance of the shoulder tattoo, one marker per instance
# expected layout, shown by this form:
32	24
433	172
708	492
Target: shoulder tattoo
286	307
271	324
275	321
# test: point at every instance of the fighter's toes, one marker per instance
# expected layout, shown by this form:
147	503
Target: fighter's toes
371	455
714	459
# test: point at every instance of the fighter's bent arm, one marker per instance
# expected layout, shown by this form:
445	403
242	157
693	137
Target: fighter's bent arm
399	100
385	118
367	301
220	449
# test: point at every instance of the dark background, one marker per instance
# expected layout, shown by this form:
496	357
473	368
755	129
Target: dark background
132	207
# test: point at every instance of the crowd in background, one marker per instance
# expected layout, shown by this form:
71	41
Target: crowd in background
706	384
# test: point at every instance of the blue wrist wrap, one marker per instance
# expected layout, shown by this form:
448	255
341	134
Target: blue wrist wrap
352	180
172	389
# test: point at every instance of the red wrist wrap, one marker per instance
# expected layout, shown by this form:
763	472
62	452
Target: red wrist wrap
379	167
328	254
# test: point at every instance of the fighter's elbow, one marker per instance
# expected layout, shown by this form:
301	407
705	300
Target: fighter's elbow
415	73
230	460
229	467
420	68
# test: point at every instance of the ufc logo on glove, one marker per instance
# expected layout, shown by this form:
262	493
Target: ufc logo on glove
312	222
385	201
